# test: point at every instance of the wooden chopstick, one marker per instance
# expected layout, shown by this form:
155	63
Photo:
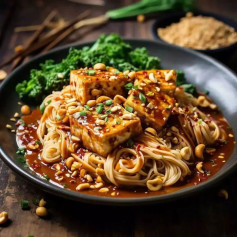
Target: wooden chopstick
92	21
45	40
34	37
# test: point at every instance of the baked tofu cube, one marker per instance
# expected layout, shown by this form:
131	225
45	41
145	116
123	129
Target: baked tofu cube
88	84
104	126
152	96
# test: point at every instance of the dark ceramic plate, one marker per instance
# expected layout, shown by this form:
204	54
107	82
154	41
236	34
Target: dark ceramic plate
170	18
201	70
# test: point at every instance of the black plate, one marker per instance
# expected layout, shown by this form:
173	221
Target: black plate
174	17
201	70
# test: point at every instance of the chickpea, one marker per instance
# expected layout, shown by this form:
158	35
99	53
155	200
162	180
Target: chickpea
42	203
19	48
25	109
100	66
3	217
3	75
151	131
41	211
140	18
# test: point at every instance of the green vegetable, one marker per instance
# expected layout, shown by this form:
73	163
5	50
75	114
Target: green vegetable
42	108
21	159
30	235
87	107
46	177
21	151
83	113
99	108
129	109
116	72
118	122
24	205
142	97
38	142
180	78
128	86
200	121
106	119
151	6
108	102
91	72
190	88
108	49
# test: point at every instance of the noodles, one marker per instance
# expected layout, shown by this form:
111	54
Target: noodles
155	160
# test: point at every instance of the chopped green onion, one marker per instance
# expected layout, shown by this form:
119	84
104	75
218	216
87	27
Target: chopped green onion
46	177
30	235
38	142
21	159
108	111
107	68
65	185
99	108
58	117
42	108
87	107
49	101
135	87
129	109
108	102
128	86
106	119
200	121
21	151
118	122
116	72
83	113
91	72
142	97
24	205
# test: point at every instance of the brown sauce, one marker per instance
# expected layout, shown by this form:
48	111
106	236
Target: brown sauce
212	164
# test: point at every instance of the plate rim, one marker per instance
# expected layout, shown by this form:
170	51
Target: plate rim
95	199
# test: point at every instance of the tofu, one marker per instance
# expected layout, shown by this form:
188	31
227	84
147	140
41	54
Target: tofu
102	130
152	97
88	84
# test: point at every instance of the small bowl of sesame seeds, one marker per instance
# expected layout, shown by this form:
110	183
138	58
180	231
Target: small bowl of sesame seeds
204	32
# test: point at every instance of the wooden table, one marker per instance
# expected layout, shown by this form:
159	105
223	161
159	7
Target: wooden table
205	214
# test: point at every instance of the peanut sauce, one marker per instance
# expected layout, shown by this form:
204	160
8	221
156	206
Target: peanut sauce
211	165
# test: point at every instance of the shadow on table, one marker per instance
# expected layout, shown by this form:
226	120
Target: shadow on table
205	214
